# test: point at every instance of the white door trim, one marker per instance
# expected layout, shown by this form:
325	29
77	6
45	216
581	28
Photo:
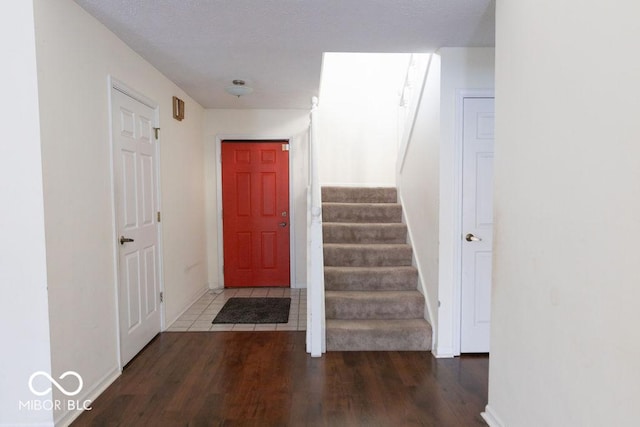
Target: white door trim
115	84
292	214
456	236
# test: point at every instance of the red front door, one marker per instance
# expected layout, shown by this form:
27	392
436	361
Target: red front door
255	206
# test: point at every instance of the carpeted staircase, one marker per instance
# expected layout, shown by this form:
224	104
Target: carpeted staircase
371	296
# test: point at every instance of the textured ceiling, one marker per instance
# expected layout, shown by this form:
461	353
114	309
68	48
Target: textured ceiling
277	45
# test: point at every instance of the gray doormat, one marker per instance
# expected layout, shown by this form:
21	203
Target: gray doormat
254	310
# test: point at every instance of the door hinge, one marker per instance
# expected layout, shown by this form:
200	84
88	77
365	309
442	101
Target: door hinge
285	147
161	296
155	130
159	217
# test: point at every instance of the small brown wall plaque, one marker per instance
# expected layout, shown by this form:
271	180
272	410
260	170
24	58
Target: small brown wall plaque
178	108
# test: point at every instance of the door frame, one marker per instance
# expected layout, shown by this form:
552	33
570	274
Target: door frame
219	207
456	236
117	85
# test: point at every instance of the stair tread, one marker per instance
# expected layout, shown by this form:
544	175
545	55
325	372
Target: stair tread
377	295
374	304
367	254
358	232
384	194
365	224
362	212
381	324
362	205
380	246
375	270
378	335
370	278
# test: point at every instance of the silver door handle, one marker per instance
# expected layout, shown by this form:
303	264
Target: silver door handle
283	224
471	238
124	240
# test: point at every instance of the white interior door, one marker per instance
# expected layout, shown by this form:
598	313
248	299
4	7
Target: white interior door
135	186
477	223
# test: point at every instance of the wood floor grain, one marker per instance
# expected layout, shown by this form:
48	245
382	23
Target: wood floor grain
267	379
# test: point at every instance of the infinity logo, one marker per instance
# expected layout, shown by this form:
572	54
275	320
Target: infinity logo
54	382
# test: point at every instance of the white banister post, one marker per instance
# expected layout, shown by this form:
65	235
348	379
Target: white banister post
316	341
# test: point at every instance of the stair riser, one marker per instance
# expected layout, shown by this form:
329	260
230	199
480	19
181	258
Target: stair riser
354	213
366	256
410	340
370	280
400	308
359	195
359	233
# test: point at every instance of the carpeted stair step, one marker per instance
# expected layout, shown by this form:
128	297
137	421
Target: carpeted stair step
363	255
374	305
361	212
378	335
359	194
337	232
370	278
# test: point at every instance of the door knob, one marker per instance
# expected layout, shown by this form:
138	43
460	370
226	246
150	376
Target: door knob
471	238
124	240
283	224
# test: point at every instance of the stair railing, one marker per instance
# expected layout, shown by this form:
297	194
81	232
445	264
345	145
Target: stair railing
316	338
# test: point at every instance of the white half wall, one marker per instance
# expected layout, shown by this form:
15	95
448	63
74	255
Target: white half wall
427	176
418	178
24	320
76	55
358	121
565	344
220	124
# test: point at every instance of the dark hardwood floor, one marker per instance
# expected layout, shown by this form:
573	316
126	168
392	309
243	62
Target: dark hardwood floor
267	379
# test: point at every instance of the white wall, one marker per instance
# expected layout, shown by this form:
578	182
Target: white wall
565	342
222	124
76	54
358	118
418	178
426	171
24	322
462	69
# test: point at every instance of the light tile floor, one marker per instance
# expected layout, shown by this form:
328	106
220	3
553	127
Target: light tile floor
200	315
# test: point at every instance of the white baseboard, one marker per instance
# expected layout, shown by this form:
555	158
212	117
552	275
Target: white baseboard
491	418
69	416
43	424
215	287
196	297
359	184
443	353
